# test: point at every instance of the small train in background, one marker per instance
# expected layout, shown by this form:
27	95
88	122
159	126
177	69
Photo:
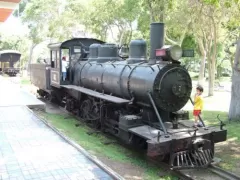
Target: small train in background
137	99
8	59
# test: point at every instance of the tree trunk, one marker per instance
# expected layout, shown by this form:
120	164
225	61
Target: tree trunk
162	10
234	110
219	71
201	71
231	62
121	39
149	2
30	57
203	52
211	76
212	58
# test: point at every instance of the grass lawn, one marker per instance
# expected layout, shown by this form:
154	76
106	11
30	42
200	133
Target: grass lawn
95	145
25	81
210	118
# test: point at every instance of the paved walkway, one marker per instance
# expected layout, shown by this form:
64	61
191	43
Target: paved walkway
31	150
11	94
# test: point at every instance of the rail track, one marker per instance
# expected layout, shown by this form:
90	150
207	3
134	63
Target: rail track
223	173
212	173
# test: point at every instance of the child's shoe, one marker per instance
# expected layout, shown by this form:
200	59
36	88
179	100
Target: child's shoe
199	124
195	125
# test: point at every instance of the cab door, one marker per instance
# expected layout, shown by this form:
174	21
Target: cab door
55	75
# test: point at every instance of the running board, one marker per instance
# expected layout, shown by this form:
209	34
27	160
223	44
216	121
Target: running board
103	96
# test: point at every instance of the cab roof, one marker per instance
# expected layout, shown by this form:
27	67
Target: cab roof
75	41
9	55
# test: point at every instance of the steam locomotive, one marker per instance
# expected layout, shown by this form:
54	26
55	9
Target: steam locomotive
133	98
8	58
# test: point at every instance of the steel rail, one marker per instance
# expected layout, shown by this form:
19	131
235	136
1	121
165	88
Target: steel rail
221	172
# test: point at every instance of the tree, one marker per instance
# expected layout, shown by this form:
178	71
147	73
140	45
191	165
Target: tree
171	12
205	30
39	15
234	110
233	27
21	7
233	32
107	17
209	31
19	43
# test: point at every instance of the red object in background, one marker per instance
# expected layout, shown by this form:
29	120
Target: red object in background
160	52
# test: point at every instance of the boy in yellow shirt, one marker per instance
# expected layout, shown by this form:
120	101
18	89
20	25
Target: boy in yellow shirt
198	106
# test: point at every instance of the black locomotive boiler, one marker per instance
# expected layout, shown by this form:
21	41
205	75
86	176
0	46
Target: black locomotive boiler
135	98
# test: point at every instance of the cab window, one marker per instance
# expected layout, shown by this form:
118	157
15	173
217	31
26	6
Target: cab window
77	50
65	53
55	57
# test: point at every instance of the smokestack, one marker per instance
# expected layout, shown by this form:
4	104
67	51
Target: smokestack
156	38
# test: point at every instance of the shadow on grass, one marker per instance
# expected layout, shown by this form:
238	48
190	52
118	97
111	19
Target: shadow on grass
229	152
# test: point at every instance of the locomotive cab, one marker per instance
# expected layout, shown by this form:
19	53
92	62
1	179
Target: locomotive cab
72	50
58	53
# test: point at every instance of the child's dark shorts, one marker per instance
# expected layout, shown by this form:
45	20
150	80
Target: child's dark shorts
196	112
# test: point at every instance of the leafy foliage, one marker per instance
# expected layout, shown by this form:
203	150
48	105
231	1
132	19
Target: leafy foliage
19	43
207	26
22	5
189	42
